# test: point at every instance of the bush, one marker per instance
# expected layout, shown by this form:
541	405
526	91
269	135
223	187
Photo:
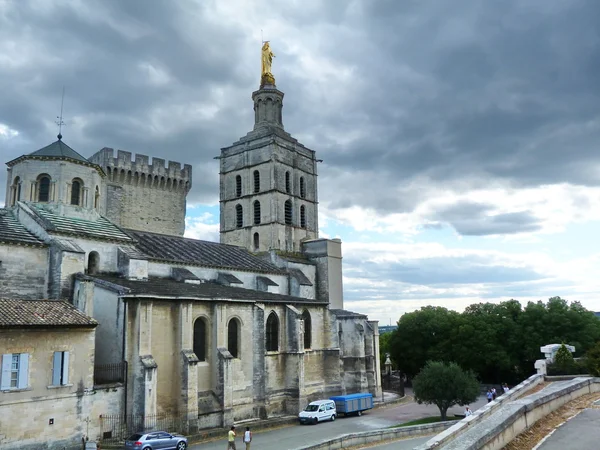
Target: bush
576	367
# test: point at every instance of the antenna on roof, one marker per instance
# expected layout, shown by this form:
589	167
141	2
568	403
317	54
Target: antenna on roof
59	120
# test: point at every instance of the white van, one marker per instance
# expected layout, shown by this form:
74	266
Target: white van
318	411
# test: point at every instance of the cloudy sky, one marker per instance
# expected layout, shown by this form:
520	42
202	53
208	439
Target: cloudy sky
460	139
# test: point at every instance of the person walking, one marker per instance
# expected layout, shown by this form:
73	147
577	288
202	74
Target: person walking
493	393
247	437
489	395
468	411
505	388
231	438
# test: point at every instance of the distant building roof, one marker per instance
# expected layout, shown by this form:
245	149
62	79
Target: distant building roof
346	313
11	230
41	314
166	288
178	249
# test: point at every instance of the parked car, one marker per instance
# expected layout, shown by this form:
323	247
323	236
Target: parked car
318	411
353	403
156	440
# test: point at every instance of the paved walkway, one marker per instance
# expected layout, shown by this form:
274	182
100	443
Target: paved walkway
581	432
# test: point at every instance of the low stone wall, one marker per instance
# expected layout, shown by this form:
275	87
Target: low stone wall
482	413
514	417
386	434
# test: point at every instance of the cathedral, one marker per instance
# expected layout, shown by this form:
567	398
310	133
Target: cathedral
107	310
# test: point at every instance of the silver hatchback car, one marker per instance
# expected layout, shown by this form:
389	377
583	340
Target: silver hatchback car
156	440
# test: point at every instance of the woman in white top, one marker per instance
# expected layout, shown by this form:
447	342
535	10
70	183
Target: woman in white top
247	437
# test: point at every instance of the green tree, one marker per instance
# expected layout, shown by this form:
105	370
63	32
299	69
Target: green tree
563	359
384	346
445	385
592	360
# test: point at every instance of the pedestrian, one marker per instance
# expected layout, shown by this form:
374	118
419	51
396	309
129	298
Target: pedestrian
468	411
493	393
231	438
505	388
489	395
247	437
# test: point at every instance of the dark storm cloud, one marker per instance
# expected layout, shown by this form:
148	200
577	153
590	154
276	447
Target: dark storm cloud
455	95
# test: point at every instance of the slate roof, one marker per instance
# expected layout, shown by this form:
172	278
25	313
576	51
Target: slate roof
300	277
57	150
346	313
170	289
267	281
41	314
11	230
100	229
182	250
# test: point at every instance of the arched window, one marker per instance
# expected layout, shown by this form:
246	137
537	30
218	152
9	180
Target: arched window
272	335
239	216
256	212
288	212
233	334
287	183
43	188
93	263
76	192
16	191
256	241
238	186
256	181
303	216
302	188
200	339
307	329
96	198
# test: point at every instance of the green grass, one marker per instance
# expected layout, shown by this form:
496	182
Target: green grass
425	420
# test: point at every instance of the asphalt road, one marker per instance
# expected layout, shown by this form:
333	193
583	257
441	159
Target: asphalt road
581	432
298	436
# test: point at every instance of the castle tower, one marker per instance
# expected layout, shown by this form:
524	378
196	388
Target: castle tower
268	180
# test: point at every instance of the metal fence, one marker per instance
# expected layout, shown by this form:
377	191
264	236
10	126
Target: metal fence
393	382
110	373
116	428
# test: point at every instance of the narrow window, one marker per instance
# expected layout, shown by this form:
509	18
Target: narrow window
97	197
303	216
200	339
43	188
93	263
15	371
302	188
16	191
239	216
287	182
256	212
232	338
256	181
307	329
288	212
256	241
75	192
238	186
272	335
60	369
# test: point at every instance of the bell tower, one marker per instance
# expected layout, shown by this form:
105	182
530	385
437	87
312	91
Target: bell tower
268	180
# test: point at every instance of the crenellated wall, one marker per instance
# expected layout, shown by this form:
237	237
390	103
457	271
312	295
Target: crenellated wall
144	196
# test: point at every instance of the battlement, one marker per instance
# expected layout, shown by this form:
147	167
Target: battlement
139	171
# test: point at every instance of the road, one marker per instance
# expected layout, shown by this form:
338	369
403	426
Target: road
298	436
581	432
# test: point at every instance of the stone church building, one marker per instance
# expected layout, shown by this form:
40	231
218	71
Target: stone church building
251	327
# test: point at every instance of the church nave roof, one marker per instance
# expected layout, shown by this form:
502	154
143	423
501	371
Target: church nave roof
11	230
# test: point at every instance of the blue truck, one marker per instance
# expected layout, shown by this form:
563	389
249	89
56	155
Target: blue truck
353	403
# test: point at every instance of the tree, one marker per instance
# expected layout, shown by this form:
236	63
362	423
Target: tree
445	385
563	358
592	360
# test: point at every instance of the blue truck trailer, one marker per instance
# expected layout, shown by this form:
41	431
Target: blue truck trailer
353	403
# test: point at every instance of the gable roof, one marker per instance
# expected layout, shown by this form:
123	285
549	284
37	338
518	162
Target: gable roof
42	314
183	250
168	289
58	149
12	232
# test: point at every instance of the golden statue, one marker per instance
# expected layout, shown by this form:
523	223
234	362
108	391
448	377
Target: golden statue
266	61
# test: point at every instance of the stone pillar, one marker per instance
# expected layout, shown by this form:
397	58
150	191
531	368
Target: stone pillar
378	388
188	401
225	385
258	363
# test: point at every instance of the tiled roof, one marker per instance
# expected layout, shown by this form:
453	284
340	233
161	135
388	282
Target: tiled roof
300	277
41	314
203	253
227	278
168	288
11	231
267	281
346	313
58	150
101	228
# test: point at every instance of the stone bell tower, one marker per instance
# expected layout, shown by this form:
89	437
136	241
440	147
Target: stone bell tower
268	180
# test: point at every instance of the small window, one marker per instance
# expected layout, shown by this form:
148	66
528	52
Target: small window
256	181
96	198
288	212
76	192
302	188
233	338
256	241
239	216
16	191
272	335
93	263
200	339
15	371
307	329
287	183
238	186
303	216
60	369
44	188
256	212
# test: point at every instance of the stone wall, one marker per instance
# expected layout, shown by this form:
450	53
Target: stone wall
23	272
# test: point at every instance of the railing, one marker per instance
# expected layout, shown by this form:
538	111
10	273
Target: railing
393	382
116	428
110	373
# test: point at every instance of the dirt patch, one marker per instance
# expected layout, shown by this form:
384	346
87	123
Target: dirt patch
528	439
